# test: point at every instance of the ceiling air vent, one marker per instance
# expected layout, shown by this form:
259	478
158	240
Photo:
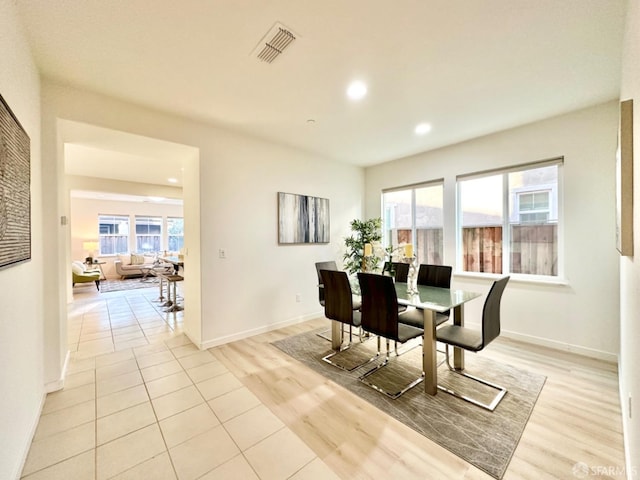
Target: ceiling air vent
274	43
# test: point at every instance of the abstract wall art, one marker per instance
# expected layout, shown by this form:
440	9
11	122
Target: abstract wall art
302	219
15	193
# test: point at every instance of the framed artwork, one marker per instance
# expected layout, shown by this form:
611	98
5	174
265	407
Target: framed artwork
15	190
302	219
624	181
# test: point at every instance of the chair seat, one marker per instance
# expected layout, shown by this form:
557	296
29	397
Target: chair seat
415	318
460	337
407	332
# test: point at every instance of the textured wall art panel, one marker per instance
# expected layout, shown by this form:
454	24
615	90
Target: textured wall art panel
302	219
15	194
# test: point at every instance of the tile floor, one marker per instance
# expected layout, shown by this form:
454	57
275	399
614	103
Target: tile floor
141	402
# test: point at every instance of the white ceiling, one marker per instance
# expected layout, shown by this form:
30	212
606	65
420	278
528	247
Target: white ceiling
467	67
93	151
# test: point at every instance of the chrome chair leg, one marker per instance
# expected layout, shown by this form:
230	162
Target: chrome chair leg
328	358
491	406
398	352
392	395
326	334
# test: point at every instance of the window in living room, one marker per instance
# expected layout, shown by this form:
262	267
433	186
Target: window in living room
114	234
414	215
175	231
148	234
508	220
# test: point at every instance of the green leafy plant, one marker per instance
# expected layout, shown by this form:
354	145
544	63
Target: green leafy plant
364	231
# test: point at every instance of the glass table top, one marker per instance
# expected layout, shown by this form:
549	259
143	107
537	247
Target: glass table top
431	298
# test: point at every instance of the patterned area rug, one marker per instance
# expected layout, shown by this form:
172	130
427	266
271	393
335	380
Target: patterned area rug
112	285
482	438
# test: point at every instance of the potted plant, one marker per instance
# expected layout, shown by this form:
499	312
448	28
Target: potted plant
364	231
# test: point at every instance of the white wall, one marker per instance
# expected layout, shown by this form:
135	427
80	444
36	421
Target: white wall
84	223
21	286
254	288
583	315
630	266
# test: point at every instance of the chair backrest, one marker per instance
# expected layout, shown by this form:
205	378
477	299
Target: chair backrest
330	265
379	311
435	275
491	312
400	270
338	304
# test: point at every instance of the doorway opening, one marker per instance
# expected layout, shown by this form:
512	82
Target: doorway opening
147	187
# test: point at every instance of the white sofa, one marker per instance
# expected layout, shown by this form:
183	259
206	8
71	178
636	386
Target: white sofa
131	265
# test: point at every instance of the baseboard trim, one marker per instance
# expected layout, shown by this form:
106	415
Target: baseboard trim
59	383
543	342
216	342
27	446
562	346
624	410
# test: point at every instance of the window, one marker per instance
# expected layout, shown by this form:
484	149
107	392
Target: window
508	221
148	234
175	230
533	207
114	234
414	215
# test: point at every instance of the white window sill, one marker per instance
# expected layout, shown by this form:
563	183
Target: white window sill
533	279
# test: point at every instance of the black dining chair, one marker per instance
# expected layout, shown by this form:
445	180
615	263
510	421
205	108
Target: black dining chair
436	276
330	265
338	306
379	316
476	340
399	270
432	276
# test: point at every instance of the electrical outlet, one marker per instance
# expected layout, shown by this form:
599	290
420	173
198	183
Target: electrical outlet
298	298
222	253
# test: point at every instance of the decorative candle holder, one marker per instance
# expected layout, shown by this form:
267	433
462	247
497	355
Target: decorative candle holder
412	276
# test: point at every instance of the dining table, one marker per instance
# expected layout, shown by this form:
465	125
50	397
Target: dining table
430	300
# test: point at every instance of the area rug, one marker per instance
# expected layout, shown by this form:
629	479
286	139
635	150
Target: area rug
115	285
483	438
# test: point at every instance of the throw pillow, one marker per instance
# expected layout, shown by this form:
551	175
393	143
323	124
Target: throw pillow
125	258
77	268
137	259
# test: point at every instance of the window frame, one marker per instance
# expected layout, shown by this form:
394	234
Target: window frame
151	220
507	220
122	217
169	235
414	230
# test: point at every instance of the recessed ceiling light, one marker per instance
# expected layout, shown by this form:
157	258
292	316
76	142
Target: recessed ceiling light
311	121
172	180
422	128
357	90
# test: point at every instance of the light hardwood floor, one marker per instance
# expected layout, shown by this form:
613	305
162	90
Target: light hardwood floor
122	342
577	417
